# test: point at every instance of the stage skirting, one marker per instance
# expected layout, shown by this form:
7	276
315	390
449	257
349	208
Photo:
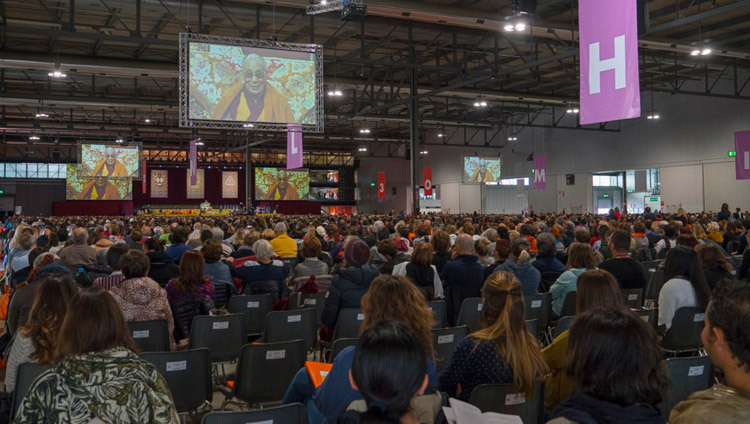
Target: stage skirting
93	207
292	207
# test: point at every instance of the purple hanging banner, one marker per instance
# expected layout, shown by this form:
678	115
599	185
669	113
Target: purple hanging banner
608	43
193	162
540	172
742	151
294	147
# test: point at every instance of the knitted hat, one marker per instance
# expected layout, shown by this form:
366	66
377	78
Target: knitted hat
357	253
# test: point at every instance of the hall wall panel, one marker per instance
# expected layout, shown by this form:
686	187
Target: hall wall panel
682	186
721	186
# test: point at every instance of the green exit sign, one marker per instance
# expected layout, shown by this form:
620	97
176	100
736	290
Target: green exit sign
631	191
605	196
731	153
372	184
653	199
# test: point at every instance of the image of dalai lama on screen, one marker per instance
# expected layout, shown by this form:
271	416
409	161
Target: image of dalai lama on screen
281	190
99	189
252	98
110	166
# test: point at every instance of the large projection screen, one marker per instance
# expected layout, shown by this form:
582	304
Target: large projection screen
78	187
100	160
237	83
478	170
281	184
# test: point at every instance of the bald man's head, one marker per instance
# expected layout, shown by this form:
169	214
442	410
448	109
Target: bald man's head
464	244
80	235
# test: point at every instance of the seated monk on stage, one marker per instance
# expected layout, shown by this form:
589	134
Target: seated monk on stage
252	98
99	189
110	166
482	174
281	190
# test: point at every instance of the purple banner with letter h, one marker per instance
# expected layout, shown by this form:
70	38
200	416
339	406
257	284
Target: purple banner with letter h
294	147
193	162
608	43
540	172
742	149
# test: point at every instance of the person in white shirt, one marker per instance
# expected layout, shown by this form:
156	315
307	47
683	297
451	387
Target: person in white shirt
684	285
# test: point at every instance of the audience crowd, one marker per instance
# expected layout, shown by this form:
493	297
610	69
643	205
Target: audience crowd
73	283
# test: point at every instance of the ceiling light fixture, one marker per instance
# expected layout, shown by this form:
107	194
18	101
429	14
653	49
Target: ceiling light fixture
200	143
512	138
480	103
119	140
335	93
423	152
441	135
365	131
248	126
362	149
41	115
572	110
148	121
653	114
34	138
57	74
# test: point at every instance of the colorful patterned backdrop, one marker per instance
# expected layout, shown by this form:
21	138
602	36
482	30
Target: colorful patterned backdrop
266	178
214	68
77	187
93	155
196	191
230	185
472	165
159	184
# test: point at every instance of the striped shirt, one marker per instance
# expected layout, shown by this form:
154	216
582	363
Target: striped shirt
109	281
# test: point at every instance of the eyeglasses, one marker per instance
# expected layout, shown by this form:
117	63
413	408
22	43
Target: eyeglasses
256	74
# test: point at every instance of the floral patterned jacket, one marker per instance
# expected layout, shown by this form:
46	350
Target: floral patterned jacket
115	386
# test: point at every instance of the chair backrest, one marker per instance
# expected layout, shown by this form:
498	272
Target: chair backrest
348	323
341	344
469	313
648	315
648	265
315	301
222	293
300	324
289	263
265	370
150	336
255	308
569	304
533	326
563	324
444	342
538	306
502	398
294	413
685	332
653	287
688	375
26	374
188	375
633	298
223	335
439	311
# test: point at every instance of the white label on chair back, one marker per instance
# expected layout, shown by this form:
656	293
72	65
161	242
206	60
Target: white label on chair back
176	366
645	317
253	305
142	334
221	325
514	399
699	317
448	338
696	370
360	317
275	354
536	303
294	318
633	296
311	301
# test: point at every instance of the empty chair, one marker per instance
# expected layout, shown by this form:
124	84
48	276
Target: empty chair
653	287
315	301
633	298
255	308
563	324
293	413
533	326
341	344
688	375
438	308
188	375
502	398
223	335
348	323
569	305
150	336
445	341
538	306
469	313
26	374
300	324
264	372
685	333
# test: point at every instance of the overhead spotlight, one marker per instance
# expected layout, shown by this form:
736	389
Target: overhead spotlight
362	149
706	52
41	115
248	126
512	138
335	93
480	103
572	111
576	110
148	121
200	143
323	2
34	138
57	74
509	28
365	131
695	52
520	26
423	152
441	135
119	140
653	114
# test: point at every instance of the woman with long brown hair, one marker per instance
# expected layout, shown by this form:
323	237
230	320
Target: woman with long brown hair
190	294
36	341
503	351
389	298
98	374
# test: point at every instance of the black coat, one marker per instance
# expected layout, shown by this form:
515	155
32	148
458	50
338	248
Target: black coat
346	291
163	268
